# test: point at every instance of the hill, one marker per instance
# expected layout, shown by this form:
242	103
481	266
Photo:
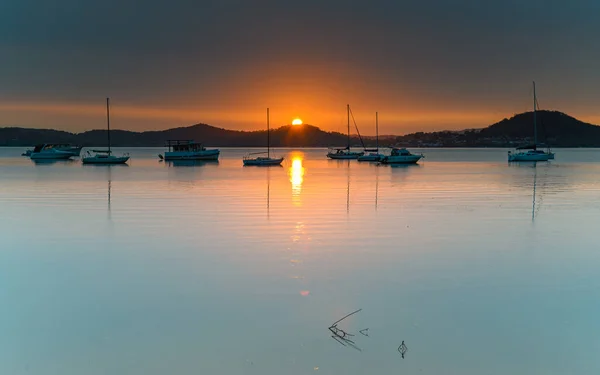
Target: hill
554	128
285	136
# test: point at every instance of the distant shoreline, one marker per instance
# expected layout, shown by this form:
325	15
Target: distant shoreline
555	129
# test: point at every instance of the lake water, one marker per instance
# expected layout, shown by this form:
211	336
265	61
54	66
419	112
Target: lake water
479	266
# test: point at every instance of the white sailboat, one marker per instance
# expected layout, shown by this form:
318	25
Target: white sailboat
344	153
105	156
263	160
532	153
373	154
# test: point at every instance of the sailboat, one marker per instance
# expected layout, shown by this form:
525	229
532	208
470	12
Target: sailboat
105	156
373	153
532	153
262	160
344	153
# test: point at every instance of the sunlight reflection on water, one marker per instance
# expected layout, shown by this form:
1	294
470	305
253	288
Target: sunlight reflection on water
296	173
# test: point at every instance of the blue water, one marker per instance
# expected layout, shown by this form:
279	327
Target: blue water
481	267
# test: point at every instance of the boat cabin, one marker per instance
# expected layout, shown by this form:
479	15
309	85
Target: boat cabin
532	149
38	148
49	146
400	152
184	146
340	150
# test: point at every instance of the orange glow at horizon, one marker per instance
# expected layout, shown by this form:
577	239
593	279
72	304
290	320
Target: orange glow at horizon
296	122
58	115
83	116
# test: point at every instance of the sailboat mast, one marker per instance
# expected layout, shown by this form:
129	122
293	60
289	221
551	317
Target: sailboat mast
348	113
108	122
268	136
377	131
534	116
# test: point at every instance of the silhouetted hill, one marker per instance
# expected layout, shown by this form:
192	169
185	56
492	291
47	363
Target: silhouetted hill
285	136
29	137
554	128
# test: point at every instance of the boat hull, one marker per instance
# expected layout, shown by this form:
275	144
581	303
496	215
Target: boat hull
53	155
105	160
263	162
345	156
198	155
522	156
402	159
371	157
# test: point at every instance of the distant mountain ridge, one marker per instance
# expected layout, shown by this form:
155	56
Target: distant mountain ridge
288	136
554	128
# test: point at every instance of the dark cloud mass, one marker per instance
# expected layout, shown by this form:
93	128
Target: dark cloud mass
232	55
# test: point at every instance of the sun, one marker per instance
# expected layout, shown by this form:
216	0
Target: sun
297	121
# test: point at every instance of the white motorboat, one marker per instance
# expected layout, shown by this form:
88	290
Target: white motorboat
105	156
188	150
345	152
73	150
263	160
373	154
49	151
532	153
401	156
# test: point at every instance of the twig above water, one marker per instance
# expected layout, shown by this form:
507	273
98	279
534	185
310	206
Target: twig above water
352	313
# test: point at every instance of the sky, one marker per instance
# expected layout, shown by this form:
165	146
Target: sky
422	65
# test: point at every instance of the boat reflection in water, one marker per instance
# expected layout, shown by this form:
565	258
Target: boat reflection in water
269	189
109	186
348	188
376	186
538	188
190	163
109	181
537	203
52	161
296	173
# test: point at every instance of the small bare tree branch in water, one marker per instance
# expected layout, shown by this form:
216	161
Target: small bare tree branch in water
340	335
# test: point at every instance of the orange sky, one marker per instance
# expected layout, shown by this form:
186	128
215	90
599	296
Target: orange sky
80	117
317	93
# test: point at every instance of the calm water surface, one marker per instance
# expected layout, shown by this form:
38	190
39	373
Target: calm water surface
153	268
